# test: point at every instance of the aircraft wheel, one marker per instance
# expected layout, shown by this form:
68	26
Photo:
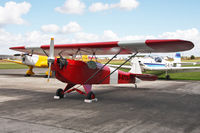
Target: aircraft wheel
27	75
135	86
90	95
168	77
60	93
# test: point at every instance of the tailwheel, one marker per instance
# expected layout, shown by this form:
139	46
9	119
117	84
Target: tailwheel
136	86
90	97
59	94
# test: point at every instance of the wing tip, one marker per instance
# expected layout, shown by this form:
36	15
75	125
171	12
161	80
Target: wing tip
170	45
19	47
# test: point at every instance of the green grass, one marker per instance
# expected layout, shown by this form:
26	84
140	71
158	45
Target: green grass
115	62
195	60
9	65
124	69
177	76
185	76
173	76
197	65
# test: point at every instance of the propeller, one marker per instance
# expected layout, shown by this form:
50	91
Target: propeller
51	56
21	54
17	55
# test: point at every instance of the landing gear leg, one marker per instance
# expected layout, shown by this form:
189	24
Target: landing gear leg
60	93
167	76
29	72
90	97
47	73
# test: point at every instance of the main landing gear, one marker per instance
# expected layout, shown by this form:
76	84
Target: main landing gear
29	72
90	96
167	77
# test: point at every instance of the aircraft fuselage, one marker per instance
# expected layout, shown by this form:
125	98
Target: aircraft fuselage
78	72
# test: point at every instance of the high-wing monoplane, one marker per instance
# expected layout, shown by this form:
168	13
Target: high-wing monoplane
76	72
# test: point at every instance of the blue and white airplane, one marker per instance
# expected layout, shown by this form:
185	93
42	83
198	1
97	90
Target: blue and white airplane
156	63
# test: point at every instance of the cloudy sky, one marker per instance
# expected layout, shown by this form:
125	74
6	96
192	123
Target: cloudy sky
33	22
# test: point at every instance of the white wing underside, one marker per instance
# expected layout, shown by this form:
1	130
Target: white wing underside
169	69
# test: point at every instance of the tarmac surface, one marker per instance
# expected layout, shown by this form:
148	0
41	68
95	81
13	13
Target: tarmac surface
27	105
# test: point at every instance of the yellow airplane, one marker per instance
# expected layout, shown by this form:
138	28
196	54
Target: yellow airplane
37	61
31	61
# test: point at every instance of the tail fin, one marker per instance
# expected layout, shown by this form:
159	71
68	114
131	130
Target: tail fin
177	59
135	66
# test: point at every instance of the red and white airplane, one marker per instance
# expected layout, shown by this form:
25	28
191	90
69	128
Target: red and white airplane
75	72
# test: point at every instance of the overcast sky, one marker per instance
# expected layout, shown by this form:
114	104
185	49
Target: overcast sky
33	22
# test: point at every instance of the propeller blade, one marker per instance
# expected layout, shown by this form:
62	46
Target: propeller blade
49	70
17	54
51	57
23	54
51	51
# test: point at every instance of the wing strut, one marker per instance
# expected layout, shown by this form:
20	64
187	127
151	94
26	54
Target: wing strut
74	56
102	67
118	67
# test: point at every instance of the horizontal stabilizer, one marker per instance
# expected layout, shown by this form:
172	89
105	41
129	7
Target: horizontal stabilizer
14	61
146	77
171	68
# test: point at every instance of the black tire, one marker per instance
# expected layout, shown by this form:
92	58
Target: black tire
60	93
27	75
168	77
90	95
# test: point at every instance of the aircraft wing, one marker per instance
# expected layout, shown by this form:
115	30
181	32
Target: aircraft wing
109	48
14	61
172	68
188	63
169	69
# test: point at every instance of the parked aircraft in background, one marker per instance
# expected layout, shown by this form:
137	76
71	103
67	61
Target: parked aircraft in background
76	72
167	66
157	63
31	61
